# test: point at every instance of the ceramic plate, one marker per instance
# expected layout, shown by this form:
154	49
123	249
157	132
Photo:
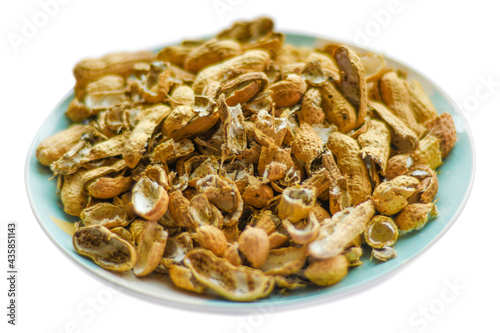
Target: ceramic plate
455	182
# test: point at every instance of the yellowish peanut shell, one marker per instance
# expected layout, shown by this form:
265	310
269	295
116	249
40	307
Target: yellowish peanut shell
306	145
353	168
54	147
420	104
327	272
395	94
428	152
213	239
289	91
150	248
444	130
254	244
211	52
183	278
121	63
352	81
250	61
236	283
337	109
311	111
415	216
105	248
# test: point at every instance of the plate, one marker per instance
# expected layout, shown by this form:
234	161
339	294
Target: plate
455	181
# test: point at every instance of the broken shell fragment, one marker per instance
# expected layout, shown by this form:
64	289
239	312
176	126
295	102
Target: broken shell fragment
428	152
349	161
420	104
381	232
320	213
178	207
285	261
158	174
327	272
85	152
187	121
154	85
444	130
373	65
136	228
343	227
338	197
121	63
202	211
250	61
376	144
136	143
415	216
149	199
274	153
209	53
236	283
427	189
177	54
256	193
105	248
265	220
269	129
213	239
233	129
353	255
150	248
288	92
313	73
176	248
104	93
254	244
306	145
398	165
72	195
385	253
54	147
243	88
232	254
183	278
390	196
303	235
337	109
105	214
223	193
352	80
109	187
177	119
395	94
277	239
123	234
169	150
404	137
296	203
311	111
289	283
182	95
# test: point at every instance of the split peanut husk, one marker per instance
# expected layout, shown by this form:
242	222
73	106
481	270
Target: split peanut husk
240	164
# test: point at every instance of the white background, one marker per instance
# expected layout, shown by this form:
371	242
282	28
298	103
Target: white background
453	43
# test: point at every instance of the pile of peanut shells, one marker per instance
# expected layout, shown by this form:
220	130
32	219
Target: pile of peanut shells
240	165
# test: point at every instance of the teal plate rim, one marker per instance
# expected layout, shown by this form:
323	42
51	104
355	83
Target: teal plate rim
456	177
